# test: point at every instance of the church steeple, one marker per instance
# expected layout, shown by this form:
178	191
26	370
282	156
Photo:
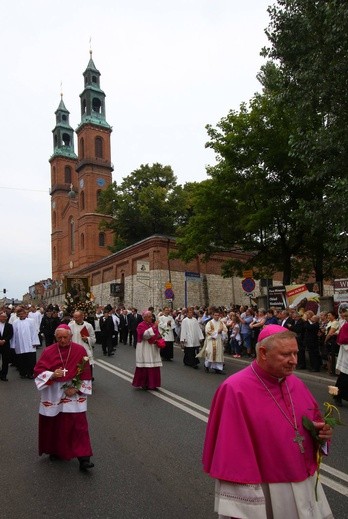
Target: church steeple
63	134
77	238
92	98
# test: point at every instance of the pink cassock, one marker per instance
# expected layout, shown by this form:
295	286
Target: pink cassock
249	440
342	337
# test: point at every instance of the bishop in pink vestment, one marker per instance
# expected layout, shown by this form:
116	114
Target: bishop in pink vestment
255	434
147	356
63	427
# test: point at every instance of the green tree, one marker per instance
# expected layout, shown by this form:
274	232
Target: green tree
148	201
308	41
251	201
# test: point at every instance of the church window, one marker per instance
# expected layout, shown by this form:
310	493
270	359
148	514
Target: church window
94	79
98	196
101	239
96	105
82	148
82	200
67	175
99	147
66	139
55	141
82	241
72	235
84	106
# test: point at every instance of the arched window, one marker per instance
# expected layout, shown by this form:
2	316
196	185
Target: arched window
98	196
82	241
82	200
82	148
72	234
66	139
96	105
99	147
54	219
67	175
101	239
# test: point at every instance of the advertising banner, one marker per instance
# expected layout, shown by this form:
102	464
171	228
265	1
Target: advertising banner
304	297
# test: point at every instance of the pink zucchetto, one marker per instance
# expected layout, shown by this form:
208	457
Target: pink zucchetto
63	327
270	329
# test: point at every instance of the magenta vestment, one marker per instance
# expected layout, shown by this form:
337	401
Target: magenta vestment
148	360
248	440
66	434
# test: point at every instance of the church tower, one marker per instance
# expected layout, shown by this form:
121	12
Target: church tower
94	168
77	181
63	178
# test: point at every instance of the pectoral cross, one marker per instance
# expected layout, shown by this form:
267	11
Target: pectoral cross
299	440
65	371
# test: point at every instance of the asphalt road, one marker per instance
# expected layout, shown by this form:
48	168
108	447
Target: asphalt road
147	448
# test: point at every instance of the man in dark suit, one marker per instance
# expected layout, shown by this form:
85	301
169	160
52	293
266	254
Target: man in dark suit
6	333
107	332
124	326
134	319
286	321
299	328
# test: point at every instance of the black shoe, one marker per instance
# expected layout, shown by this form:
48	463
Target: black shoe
219	372
110	354
54	457
206	369
85	465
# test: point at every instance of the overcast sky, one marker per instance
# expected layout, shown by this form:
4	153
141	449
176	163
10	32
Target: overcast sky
168	68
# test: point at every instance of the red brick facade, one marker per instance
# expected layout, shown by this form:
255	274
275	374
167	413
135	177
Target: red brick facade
76	183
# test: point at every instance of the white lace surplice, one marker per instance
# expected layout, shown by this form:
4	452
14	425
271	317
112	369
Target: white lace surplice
269	501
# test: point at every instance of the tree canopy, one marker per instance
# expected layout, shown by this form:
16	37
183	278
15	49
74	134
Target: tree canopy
279	188
148	201
281	174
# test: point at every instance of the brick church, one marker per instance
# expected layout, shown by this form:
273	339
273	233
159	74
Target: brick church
78	179
143	273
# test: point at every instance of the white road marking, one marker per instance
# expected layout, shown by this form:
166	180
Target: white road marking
189	407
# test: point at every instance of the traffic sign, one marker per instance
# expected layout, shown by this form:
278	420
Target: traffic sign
192	275
168	285
248	285
168	293
247	274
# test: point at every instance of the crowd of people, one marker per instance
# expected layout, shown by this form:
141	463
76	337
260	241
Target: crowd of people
203	333
276	341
